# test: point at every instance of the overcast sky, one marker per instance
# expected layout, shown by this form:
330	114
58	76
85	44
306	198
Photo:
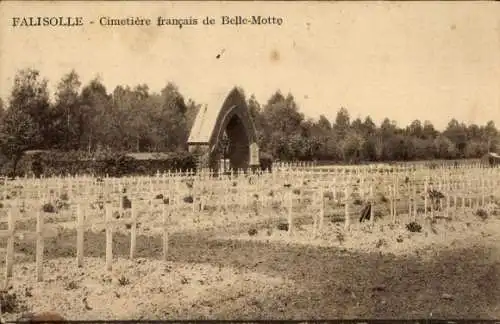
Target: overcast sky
404	60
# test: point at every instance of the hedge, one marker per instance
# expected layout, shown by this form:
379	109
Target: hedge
54	163
57	163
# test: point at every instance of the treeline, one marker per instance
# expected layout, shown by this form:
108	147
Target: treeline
90	118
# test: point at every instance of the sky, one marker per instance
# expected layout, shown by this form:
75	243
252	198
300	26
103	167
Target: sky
403	60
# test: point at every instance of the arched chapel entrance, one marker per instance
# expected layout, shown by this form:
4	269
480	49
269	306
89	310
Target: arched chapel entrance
227	132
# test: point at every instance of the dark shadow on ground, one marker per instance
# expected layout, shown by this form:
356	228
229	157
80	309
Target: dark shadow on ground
329	282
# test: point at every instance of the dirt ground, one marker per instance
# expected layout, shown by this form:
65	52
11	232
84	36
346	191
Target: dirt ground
450	269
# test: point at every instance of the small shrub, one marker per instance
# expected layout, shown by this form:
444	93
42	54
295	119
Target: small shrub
9	303
188	199
61	204
414	227
283	226
1	205
123	281
328	194
252	231
380	243
481	213
384	199
64	196
357	202
235	183
159	196
296	191
340	237
271	193
275	205
72	285
126	203
48	208
287	185
399	239
166	201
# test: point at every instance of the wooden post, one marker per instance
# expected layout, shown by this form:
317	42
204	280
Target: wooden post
455	195
133	230
290	206
79	235
410	199
372	202
322	208
39	246
395	200
482	192
347	221
10	245
316	216
448	198
227	191
109	237
463	193
166	214
425	198
194	194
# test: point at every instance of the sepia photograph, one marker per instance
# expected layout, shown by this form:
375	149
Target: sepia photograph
249	160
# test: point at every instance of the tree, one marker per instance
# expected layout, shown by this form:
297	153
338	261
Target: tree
387	129
324	124
130	119
369	127
282	122
30	96
67	111
319	135
192	110
457	133
96	108
258	120
169	120
342	123
445	148
282	114
429	132
491	135
2	110
18	133
415	129
352	147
